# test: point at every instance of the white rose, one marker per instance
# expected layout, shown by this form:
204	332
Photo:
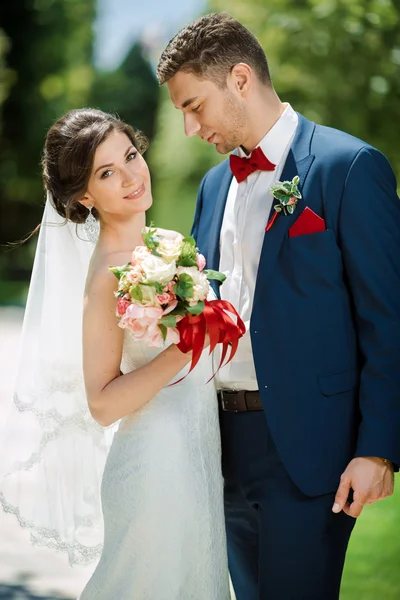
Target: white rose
201	284
170	249
149	296
155	269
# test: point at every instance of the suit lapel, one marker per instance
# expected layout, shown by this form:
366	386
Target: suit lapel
298	162
214	238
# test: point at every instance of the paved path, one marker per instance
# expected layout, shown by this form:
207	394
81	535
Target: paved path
25	571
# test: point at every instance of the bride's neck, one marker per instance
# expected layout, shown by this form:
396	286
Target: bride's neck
123	235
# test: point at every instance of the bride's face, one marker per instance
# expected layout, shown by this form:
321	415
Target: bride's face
119	184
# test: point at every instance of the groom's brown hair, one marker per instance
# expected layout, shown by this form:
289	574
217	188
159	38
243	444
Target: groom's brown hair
209	48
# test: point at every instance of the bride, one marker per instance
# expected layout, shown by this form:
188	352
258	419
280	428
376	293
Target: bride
161	489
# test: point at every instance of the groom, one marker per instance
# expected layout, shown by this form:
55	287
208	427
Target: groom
310	406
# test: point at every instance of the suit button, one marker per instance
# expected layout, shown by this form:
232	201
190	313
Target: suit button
265	386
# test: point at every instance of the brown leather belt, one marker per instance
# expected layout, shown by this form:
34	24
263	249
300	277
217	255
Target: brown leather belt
239	401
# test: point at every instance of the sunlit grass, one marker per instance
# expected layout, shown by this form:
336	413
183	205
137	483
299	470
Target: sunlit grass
372	569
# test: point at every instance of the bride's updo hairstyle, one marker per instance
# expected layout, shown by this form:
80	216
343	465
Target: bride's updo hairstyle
69	152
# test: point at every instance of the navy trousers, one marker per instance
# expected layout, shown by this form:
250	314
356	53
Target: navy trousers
282	544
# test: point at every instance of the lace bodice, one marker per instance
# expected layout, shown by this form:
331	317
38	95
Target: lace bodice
162	495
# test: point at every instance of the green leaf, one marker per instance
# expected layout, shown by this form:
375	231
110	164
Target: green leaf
163	331
159	287
296	180
278	208
197	309
217	275
190	241
120	271
188	254
184	287
151	239
291	208
179	310
168	321
280	196
136	293
116	271
186	261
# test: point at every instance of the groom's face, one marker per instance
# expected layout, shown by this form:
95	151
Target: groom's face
216	115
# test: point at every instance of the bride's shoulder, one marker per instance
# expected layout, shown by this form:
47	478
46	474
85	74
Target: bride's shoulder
99	277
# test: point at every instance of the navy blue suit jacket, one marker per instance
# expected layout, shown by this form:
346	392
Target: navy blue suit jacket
325	325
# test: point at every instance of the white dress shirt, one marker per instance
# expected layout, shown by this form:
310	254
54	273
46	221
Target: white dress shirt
242	233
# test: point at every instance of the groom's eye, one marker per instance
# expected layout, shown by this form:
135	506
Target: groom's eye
196	108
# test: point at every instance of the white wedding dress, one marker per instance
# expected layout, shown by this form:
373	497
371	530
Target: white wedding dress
162	495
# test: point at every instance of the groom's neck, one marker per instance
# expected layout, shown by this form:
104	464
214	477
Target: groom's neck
264	110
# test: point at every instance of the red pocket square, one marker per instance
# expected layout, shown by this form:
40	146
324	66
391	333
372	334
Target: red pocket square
307	222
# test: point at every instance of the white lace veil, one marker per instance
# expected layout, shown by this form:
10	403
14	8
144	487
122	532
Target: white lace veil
52	462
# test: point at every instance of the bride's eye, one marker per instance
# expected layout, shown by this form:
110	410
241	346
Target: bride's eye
131	155
106	174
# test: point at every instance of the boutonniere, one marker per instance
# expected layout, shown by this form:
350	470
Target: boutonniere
287	193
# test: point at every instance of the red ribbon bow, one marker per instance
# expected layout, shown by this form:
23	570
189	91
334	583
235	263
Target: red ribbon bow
221	329
242	167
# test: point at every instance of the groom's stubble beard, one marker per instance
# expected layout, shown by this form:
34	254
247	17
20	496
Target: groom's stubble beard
233	124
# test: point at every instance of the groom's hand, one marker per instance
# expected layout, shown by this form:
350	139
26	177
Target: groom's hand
370	478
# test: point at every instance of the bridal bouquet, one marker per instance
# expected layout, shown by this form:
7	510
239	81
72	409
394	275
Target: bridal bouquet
162	297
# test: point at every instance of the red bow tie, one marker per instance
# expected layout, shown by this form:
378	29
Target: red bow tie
242	167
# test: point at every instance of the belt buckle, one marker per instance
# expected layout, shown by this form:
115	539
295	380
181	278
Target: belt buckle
224	400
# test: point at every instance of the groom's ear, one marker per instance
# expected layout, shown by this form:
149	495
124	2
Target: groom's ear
242	76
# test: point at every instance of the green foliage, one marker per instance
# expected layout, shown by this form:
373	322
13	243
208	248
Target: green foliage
188	253
184	287
371	570
46	69
197	309
45	48
168	321
151	240
217	275
131	91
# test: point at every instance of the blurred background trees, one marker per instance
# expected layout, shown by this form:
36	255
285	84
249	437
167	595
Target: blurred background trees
46	68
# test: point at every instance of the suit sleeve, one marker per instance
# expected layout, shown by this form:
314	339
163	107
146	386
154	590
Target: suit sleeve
369	235
199	206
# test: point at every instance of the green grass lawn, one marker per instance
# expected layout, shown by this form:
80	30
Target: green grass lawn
372	569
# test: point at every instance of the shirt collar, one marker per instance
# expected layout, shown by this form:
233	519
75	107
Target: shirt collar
276	140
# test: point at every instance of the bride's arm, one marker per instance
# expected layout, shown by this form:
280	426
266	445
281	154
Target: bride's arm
111	395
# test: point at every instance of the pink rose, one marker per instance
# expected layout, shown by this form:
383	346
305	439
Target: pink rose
170	287
134	275
164	298
138	328
153	337
149	313
171	306
173	335
292	200
201	261
122	306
